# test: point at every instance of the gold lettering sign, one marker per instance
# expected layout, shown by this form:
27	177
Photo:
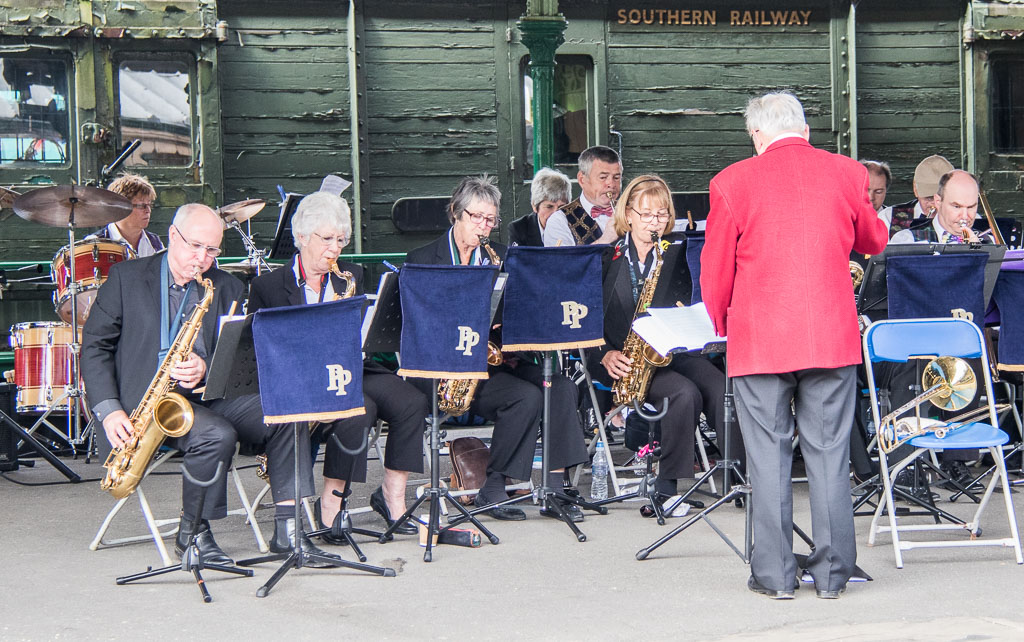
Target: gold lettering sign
705	17
572	313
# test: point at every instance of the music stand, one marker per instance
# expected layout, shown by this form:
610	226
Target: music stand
233	373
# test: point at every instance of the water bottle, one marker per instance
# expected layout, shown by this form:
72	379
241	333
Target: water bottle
599	473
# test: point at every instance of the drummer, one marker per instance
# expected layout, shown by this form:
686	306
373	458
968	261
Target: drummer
132	228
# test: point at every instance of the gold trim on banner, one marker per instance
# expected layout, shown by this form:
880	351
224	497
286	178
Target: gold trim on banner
568	345
440	374
314	416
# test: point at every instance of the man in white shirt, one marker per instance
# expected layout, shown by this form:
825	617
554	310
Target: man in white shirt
588	219
956	205
879	180
132	228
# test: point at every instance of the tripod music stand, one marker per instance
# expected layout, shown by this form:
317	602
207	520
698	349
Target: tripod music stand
191	561
233	373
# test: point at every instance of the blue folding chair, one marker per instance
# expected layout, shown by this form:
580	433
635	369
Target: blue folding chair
900	341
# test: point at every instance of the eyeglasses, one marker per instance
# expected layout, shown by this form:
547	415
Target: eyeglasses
647	217
478	218
331	240
142	206
212	252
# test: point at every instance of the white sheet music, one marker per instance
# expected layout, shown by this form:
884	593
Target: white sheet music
678	328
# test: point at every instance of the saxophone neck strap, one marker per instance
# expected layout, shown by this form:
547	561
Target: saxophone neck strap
324	279
638	270
169	325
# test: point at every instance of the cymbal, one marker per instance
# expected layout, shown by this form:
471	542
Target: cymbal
93	206
242	268
242	210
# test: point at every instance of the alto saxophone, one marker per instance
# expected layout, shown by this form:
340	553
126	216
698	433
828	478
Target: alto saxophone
455	395
160	414
262	472
634	385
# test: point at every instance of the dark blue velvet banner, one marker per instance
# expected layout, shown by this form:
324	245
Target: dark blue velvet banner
935	286
310	361
1009	298
446	319
553	298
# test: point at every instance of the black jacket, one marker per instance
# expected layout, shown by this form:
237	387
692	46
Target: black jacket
525	231
279	288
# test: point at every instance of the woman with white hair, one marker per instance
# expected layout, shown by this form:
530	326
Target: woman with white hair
549	192
322	227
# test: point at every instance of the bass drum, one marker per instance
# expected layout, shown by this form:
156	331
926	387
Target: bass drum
93	260
42	365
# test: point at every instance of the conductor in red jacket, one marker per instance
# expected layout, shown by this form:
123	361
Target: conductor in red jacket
775	279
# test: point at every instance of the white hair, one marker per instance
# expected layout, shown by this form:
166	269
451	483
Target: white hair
775	113
321	209
550	185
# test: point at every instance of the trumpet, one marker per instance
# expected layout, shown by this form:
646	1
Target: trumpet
950	384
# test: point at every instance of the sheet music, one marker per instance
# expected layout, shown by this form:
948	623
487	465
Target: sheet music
677	328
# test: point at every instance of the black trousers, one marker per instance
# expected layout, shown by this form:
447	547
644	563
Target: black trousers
710	382
389	397
566	446
218	426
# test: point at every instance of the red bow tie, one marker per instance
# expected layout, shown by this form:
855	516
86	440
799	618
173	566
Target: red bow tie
596	211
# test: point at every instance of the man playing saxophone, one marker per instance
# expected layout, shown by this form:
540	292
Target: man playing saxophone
511	397
133	323
691	383
321	228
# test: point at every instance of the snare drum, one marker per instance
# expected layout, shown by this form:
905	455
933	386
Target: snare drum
93	260
42	364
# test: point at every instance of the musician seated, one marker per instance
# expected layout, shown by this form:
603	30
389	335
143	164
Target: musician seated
913	213
692	384
132	228
956	208
550	191
322	227
511	395
588	219
135	317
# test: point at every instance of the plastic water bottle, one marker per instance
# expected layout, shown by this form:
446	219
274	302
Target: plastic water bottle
599	473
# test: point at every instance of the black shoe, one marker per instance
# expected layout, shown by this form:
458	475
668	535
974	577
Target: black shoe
756	587
282	542
209	552
328	536
378	504
829	595
503	513
572	510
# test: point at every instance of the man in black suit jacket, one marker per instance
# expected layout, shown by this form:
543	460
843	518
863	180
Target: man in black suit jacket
321	227
122	342
550	190
511	395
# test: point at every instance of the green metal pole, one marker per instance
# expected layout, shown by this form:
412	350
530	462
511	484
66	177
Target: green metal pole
542	35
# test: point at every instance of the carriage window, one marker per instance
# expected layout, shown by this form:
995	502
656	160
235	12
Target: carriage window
1008	105
34	118
155	107
573	108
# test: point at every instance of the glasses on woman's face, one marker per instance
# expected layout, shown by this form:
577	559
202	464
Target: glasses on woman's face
661	215
209	250
331	240
478	218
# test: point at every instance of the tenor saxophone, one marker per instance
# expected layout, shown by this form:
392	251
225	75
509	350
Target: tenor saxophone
262	472
455	395
634	385
160	414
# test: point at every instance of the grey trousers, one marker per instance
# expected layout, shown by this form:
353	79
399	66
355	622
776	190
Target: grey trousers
824	403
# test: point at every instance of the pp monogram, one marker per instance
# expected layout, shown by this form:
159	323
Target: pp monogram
467	339
572	313
960	313
337	378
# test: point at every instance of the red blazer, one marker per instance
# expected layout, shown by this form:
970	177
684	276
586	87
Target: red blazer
775	266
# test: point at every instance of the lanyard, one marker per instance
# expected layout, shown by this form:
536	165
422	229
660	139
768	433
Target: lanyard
169	326
474	258
635	271
302	279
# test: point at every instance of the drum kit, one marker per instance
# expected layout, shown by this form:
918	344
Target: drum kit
46	353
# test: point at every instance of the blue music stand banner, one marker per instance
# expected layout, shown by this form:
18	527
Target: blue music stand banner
1009	298
936	286
553	298
446	319
310	361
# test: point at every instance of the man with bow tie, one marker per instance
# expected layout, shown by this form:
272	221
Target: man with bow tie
956	203
588	219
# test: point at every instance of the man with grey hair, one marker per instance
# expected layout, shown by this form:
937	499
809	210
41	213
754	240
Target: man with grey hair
588	219
774	278
550	191
135	319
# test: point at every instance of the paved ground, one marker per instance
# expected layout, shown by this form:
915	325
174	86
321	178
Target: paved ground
539	583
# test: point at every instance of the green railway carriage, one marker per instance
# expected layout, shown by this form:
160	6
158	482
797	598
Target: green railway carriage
233	98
